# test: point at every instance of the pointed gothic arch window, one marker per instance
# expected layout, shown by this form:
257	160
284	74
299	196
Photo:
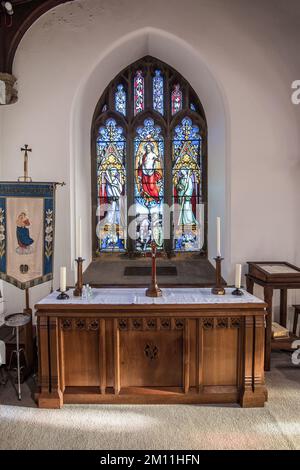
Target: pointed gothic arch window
149	163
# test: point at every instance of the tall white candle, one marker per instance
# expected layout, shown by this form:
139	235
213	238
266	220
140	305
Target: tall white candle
218	236
79	239
238	275
63	279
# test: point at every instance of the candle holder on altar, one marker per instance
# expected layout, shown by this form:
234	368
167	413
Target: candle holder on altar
237	291
218	289
79	284
62	295
153	290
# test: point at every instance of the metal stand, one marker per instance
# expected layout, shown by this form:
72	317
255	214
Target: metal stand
218	289
17	320
18	363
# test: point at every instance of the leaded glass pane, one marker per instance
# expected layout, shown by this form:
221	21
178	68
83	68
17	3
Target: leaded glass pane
149	185
111	179
139	92
176	99
120	100
158	92
186	175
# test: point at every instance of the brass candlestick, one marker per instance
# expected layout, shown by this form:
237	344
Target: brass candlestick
79	284
153	290
218	289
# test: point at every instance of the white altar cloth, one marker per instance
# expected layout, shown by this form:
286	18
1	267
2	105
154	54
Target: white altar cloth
129	296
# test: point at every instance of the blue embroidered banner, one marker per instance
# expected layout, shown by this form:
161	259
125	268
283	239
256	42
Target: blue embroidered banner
27	222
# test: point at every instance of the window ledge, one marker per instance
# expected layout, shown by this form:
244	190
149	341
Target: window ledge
108	271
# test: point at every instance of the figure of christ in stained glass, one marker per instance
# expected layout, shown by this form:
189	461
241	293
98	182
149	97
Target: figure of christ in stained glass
111	188
187	186
149	188
149	173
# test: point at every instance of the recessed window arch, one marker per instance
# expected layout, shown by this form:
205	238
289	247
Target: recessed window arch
149	163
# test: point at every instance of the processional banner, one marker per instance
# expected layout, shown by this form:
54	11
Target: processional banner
27	222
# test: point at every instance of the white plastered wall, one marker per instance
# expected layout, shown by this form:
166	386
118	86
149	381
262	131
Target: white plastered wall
240	58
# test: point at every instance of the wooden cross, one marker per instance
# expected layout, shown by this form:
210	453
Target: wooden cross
153	290
26	149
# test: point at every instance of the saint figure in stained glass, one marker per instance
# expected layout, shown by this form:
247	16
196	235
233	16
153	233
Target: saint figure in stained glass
185	189
111	178
186	185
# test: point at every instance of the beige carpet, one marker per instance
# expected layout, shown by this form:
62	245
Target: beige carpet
277	426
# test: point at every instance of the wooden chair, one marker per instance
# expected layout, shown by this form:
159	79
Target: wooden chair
296	316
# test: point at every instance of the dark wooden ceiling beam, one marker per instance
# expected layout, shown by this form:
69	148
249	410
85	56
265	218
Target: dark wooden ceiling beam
26	12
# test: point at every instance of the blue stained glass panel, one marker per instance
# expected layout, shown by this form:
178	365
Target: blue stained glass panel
176	99
149	185
186	176
111	185
120	100
138	92
158	92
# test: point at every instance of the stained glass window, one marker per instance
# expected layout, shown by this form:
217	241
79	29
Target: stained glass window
149	185
139	93
120	100
150	162
111	178
186	155
176	99
158	92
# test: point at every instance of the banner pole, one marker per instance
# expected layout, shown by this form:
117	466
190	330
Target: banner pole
28	336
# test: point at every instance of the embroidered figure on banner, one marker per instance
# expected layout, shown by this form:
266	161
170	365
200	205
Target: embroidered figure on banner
25	242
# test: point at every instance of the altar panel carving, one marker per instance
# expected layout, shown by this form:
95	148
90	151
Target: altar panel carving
151	358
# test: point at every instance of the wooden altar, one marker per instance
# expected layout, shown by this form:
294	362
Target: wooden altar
188	346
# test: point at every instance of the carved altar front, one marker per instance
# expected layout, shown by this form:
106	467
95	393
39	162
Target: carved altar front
122	347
